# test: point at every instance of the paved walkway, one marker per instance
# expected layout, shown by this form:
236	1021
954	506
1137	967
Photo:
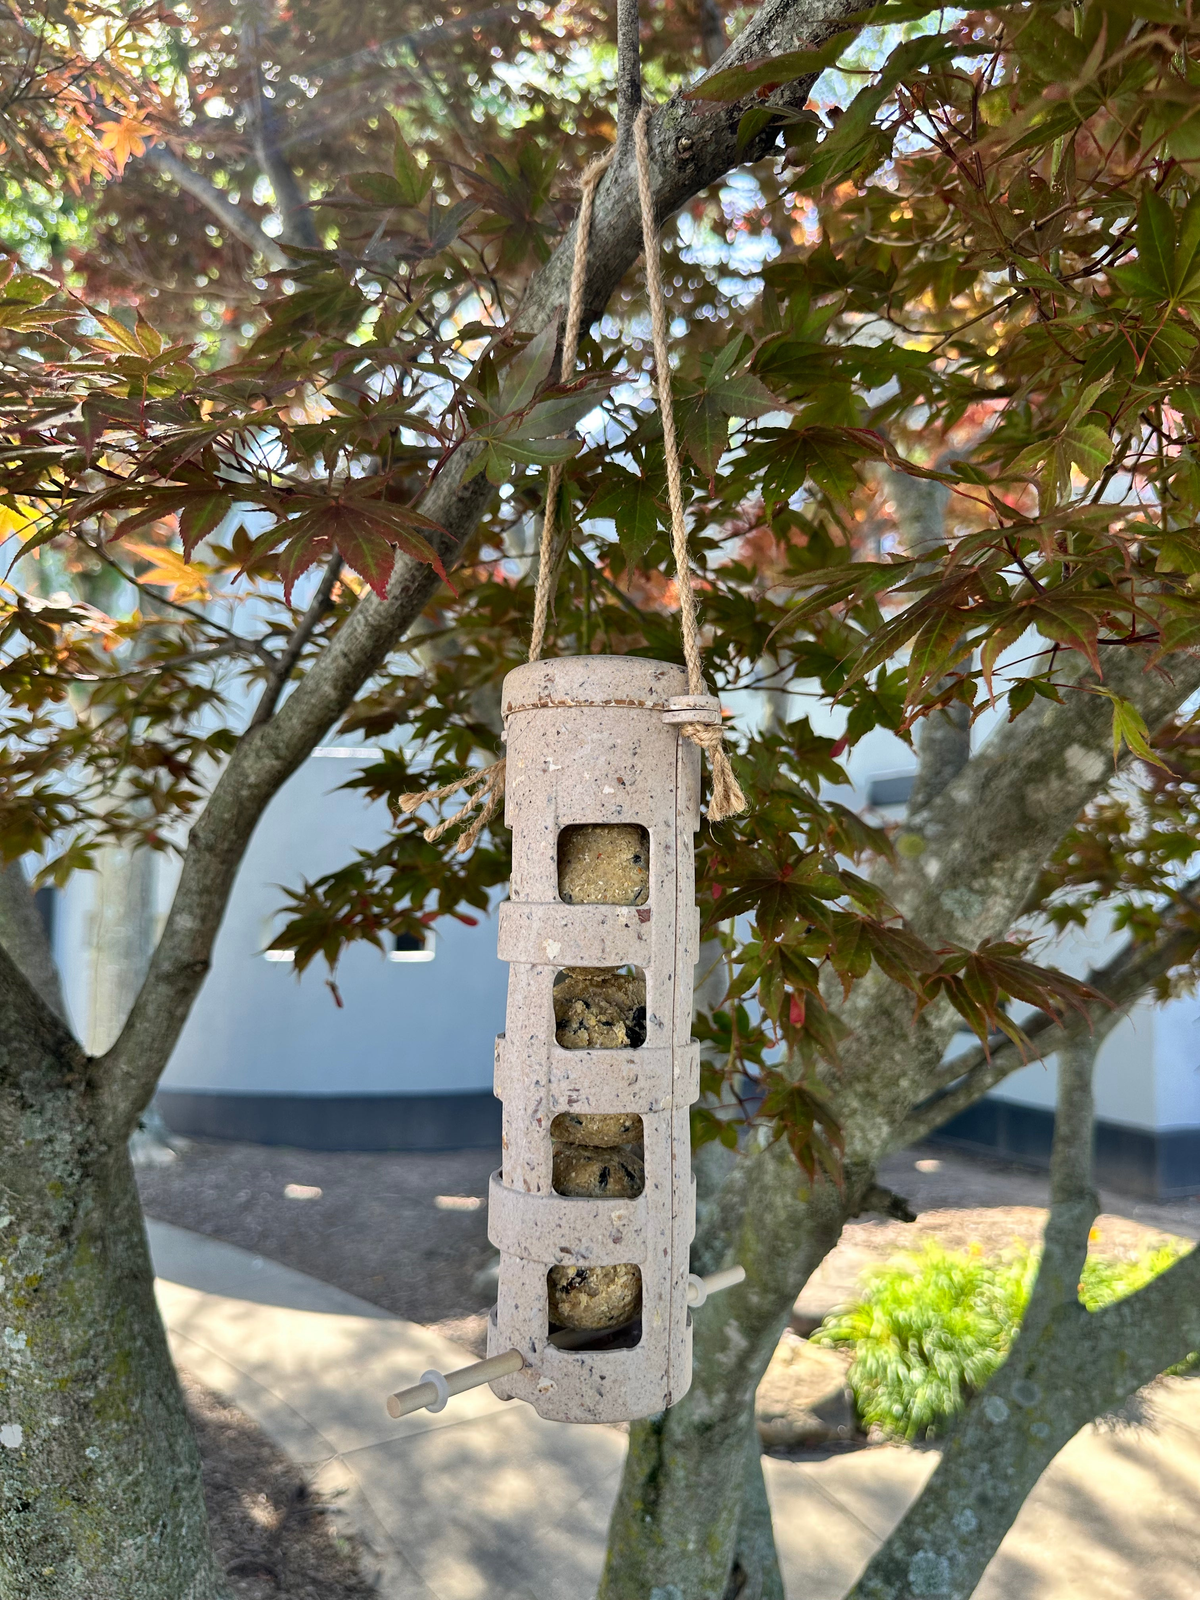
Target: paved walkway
487	1502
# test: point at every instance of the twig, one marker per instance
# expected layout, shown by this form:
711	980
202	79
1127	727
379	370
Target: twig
282	669
629	71
254	645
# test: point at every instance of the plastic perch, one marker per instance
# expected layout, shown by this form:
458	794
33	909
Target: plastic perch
435	1388
699	1289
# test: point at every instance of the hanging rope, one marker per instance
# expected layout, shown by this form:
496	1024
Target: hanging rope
727	799
488	782
548	555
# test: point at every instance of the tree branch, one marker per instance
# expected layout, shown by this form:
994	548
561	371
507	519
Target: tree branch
24	937
629	70
987	835
230	216
944	745
692	144
1074	1204
1067	1367
418	43
966	868
299	227
1130	974
712	32
282	670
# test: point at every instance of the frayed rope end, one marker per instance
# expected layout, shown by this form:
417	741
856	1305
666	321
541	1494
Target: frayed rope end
727	799
488	783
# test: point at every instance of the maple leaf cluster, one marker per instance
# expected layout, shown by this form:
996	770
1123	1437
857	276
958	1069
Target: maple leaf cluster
937	395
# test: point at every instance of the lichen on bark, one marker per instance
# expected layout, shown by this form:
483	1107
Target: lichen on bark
99	1475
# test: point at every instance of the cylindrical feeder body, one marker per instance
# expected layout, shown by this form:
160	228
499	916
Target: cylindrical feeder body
587	745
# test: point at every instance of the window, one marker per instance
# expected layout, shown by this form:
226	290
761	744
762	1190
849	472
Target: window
412	947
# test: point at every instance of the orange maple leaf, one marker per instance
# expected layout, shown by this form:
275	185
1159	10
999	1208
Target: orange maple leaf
128	136
185	581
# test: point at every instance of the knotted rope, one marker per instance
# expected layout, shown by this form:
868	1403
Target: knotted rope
488	784
549	553
727	799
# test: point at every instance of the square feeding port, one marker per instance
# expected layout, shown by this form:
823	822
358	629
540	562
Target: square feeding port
604	864
597	1155
595	1308
600	1008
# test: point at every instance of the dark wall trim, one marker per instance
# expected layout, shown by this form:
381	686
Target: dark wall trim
1161	1165
469	1120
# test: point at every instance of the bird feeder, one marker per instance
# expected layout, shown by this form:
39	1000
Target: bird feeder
593	1210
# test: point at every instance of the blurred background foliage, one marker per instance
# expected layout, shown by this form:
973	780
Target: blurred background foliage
938	385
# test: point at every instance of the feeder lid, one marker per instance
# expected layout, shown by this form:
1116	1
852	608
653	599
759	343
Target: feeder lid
569	681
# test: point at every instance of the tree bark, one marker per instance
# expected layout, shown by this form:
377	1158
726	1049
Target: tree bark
24	937
100	1492
1066	1368
755	1573
678	1512
678	1507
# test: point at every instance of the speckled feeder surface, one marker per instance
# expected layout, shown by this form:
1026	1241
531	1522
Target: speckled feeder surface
587	745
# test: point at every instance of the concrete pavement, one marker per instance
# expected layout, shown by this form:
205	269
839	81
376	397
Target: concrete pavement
484	1501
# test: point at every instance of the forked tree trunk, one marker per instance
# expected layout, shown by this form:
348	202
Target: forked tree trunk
1067	1367
675	1528
100	1491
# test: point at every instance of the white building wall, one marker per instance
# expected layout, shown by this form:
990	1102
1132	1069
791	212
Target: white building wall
1128	1070
258	1027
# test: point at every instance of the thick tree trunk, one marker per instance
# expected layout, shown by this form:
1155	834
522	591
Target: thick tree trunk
675	1527
100	1493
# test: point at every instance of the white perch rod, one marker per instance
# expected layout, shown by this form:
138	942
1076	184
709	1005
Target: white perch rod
699	1289
436	1388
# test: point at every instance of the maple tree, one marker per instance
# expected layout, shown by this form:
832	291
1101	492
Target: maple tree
937	389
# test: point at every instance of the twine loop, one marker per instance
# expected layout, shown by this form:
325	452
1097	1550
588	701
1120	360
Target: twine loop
549	553
726	799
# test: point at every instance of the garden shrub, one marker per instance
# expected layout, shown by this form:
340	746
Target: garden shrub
933	1326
